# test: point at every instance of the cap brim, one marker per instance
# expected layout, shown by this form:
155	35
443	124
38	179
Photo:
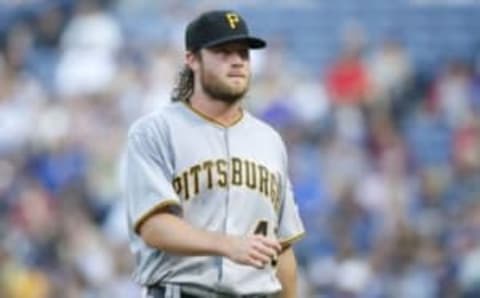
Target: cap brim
253	42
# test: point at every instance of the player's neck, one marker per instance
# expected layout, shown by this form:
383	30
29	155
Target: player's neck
222	112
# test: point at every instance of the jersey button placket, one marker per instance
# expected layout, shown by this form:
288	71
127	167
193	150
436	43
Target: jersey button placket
225	136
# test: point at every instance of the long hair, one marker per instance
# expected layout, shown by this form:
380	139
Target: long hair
184	85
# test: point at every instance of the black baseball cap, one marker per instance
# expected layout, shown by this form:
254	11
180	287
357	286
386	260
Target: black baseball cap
216	27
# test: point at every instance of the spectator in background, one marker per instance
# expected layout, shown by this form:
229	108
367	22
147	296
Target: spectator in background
465	185
391	73
348	86
428	137
21	96
466	250
47	25
452	93
385	188
347	80
89	48
390	70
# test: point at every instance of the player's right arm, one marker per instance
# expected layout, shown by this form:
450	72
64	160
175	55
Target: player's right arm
170	233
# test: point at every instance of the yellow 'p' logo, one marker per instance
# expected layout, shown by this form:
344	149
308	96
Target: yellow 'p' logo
232	19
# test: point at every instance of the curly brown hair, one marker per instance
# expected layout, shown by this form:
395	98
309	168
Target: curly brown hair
184	85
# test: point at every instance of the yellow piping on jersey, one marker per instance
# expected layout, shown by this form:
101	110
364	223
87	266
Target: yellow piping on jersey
212	120
155	209
292	239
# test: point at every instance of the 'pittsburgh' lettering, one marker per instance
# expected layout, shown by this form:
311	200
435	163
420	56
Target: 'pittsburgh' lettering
221	173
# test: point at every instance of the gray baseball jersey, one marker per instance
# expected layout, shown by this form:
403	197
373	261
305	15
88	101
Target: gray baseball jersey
224	179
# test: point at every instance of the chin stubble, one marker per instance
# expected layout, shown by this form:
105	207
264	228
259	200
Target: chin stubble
220	91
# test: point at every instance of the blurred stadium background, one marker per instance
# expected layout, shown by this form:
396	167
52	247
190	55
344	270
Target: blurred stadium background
378	101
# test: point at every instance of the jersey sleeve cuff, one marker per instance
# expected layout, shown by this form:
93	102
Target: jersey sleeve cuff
290	240
175	205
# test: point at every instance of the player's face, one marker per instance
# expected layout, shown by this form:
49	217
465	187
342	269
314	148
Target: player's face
225	71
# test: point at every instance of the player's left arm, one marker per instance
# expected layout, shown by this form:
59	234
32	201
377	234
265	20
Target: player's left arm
287	273
289	230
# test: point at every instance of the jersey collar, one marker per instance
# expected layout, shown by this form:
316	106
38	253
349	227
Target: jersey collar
212	120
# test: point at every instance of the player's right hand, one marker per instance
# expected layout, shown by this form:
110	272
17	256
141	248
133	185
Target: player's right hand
252	250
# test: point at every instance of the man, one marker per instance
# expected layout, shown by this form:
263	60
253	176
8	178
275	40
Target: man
210	207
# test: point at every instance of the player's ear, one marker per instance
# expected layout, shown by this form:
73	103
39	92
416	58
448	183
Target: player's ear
192	60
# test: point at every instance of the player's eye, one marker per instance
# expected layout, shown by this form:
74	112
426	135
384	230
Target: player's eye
244	53
226	51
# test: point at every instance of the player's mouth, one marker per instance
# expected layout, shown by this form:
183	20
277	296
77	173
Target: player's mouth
236	75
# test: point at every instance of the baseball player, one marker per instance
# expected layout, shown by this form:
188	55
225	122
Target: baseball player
210	207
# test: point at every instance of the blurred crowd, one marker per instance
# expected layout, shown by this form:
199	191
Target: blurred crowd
384	158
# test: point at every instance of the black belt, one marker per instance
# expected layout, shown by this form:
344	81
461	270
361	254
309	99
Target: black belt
159	291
